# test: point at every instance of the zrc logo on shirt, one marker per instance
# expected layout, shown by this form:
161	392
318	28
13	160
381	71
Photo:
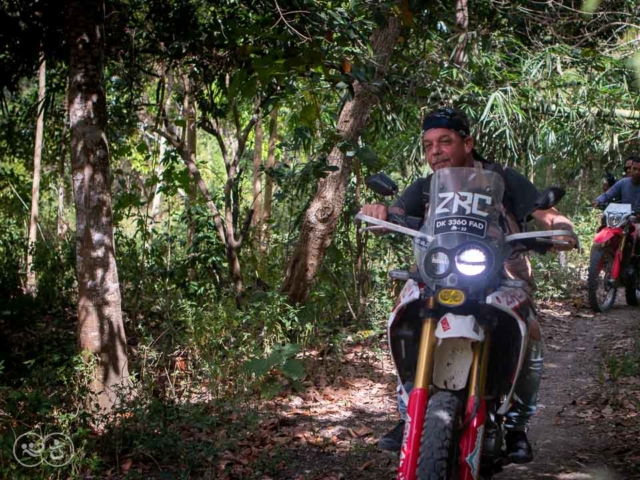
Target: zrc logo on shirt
463	203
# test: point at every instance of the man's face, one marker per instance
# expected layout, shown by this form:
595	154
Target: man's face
446	148
635	172
627	167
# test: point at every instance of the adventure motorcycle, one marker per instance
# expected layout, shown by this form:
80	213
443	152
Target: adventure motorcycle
614	259
459	330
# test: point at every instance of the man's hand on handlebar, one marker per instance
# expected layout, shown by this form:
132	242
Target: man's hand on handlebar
572	240
375	210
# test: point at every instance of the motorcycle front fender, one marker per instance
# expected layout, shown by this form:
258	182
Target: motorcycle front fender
606	234
454	353
452	362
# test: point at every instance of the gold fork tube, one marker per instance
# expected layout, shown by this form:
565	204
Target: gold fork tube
479	367
424	370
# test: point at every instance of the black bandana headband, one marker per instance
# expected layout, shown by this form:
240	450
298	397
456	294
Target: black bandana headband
447	118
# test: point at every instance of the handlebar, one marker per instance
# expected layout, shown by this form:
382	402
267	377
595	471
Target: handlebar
381	224
530	240
405	220
541	242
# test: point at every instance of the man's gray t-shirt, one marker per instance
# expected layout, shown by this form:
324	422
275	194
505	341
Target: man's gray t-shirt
623	191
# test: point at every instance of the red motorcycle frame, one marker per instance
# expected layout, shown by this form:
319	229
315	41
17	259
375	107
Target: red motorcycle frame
613	260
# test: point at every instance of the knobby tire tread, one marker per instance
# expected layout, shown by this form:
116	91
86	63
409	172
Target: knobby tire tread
438	450
592	281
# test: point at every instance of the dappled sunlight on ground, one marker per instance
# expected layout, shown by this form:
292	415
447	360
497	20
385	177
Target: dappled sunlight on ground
525	472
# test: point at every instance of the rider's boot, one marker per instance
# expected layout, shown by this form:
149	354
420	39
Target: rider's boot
524	406
392	440
518	447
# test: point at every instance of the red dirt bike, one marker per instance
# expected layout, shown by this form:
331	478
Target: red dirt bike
459	330
614	259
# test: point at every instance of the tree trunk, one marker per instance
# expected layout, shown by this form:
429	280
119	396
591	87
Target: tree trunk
35	189
460	56
268	184
157	195
232	233
257	179
235	272
324	211
100	326
362	272
63	226
189	151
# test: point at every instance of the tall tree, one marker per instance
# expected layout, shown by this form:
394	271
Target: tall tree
257	178
268	185
100	326
62	225
324	211
462	27
35	189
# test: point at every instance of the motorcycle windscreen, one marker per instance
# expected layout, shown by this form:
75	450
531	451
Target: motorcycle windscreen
466	242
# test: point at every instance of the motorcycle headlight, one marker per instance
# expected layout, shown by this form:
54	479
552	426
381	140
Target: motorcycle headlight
471	261
614	219
438	263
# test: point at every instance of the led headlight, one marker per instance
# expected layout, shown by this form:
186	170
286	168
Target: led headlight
471	261
437	263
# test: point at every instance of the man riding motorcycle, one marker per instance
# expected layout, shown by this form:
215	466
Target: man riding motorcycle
625	190
447	143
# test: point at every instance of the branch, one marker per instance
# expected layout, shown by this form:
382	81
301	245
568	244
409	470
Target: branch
172	140
289	26
242	140
208	127
245	230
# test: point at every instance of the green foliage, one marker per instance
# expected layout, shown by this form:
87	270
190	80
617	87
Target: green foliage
622	366
281	360
555	281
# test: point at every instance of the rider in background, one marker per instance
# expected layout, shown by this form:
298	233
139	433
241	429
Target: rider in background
625	190
628	164
447	142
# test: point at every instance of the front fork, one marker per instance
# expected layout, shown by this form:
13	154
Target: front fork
617	259
419	397
476	412
471	440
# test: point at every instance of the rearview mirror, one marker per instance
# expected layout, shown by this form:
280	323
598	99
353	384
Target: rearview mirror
381	184
549	198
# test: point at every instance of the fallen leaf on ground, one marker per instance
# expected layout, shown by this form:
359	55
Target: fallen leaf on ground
361	431
366	465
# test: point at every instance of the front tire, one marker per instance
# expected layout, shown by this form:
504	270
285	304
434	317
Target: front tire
601	288
439	450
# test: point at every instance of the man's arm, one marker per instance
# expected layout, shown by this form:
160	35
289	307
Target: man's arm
552	219
410	202
609	195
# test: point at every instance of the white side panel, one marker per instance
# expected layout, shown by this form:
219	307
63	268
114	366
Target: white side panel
452	361
410	293
507	300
